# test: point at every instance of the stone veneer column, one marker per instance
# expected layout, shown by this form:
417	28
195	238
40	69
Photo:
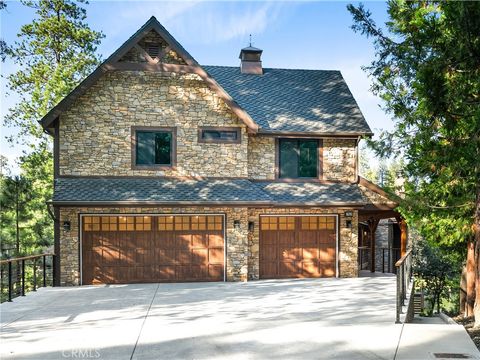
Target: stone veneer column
237	245
348	246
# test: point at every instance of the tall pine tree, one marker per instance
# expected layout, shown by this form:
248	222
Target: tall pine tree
427	70
54	53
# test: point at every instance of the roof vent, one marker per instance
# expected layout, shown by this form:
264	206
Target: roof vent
251	60
152	49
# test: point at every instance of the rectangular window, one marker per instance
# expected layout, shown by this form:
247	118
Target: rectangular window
153	147
219	135
298	158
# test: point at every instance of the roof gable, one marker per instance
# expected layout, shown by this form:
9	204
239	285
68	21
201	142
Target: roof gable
172	57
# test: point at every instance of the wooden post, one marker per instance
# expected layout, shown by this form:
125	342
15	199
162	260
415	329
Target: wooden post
470	276
403	237
372	226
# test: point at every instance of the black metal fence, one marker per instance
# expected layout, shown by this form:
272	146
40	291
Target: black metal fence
389	257
23	274
385	259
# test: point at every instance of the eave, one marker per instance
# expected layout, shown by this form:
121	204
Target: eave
336	134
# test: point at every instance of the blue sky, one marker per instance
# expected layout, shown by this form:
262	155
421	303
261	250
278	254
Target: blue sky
310	35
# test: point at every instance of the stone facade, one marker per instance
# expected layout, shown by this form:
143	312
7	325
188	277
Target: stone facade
382	241
347	245
339	159
375	198
236	239
95	133
261	157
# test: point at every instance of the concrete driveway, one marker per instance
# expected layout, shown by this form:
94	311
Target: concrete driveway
313	319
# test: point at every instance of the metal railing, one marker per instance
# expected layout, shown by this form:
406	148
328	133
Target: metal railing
389	257
22	274
404	280
364	258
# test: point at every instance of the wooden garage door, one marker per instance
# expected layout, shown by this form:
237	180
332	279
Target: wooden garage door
135	249
301	246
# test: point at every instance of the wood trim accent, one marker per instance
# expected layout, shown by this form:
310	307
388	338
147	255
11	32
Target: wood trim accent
320	159
164	52
173	152
151	66
145	54
56	149
238	130
312	134
277	159
319	176
403	236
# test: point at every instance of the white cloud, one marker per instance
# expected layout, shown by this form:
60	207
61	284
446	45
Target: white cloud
206	22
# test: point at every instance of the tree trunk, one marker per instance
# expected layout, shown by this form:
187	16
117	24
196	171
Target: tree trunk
476	229
470	277
463	292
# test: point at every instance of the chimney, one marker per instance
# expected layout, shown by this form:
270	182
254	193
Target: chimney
250	62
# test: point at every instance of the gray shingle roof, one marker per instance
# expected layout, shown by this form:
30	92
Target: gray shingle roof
312	193
294	100
148	190
155	190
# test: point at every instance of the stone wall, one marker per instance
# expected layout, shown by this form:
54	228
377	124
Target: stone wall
348	242
382	241
236	239
339	159
95	133
261	157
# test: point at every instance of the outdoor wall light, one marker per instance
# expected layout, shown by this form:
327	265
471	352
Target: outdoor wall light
251	226
349	224
348	213
236	224
66	225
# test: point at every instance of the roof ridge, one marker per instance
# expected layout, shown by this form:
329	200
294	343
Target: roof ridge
273	68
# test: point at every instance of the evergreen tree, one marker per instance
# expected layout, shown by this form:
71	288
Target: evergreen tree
427	70
54	53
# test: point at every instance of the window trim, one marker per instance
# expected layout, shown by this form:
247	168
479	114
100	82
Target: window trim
238	130
319	176
173	152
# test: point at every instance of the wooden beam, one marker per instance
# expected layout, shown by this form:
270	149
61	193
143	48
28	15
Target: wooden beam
372	226
158	67
163	53
145	55
403	236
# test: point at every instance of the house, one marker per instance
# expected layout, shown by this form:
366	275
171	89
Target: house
168	170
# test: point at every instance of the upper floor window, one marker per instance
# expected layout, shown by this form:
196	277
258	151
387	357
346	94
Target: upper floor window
153	147
298	158
219	135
